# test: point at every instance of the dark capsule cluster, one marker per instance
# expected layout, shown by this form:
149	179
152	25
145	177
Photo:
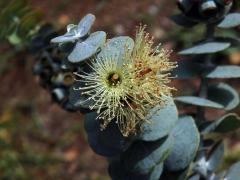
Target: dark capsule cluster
55	75
210	11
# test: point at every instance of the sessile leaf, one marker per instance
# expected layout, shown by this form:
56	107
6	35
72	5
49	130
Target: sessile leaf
230	21
228	123
223	94
161	122
89	47
108	142
194	100
224	71
186	142
206	48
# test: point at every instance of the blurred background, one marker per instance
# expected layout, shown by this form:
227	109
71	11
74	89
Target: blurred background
38	139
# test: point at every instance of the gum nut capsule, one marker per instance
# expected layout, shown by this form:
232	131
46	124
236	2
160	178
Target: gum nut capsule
58	94
208	8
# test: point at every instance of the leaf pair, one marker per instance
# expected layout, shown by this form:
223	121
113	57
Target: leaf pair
220	96
86	44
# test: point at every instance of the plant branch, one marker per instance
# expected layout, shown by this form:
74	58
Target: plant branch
210	30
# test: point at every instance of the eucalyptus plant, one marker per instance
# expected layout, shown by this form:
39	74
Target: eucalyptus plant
201	62
122	86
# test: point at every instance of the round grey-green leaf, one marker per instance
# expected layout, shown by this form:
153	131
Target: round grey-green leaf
228	123
89	47
162	120
230	21
215	157
223	94
142	156
117	47
186	143
206	48
224	71
64	38
194	100
85	24
108	142
234	172
75	32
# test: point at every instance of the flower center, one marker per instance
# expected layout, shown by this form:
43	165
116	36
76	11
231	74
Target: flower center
114	79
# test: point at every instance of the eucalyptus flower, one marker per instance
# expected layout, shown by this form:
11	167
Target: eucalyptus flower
125	86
